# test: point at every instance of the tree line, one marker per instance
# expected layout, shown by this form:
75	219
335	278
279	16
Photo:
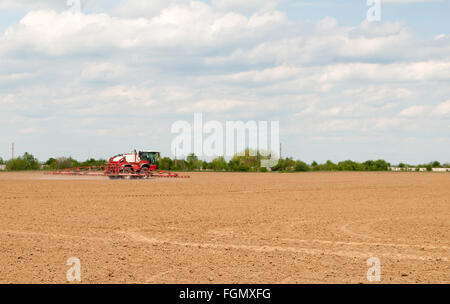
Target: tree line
243	162
28	162
251	163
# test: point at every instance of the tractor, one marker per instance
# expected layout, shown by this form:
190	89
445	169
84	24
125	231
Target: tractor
142	163
136	165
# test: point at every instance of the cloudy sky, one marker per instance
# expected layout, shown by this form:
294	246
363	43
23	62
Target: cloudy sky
117	75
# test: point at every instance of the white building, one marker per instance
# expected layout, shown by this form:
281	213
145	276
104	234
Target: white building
441	169
398	169
2	167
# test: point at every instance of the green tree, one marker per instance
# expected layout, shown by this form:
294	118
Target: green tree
25	162
180	165
238	166
286	164
166	163
205	165
301	166
279	166
329	166
192	162
2	162
191	158
382	165
249	158
219	164
263	169
379	165
289	164
349	165
93	163
64	163
436	164
315	166
50	161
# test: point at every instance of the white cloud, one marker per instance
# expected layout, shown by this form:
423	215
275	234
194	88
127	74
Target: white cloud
415	111
28	131
442	109
142	66
248	6
407	1
143	8
194	26
33	4
57	5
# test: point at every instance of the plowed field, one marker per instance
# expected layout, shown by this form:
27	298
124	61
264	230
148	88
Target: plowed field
226	228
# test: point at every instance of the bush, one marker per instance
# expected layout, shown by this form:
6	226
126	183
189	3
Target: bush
205	165
233	165
62	163
436	164
329	166
301	166
379	165
50	161
247	159
287	164
315	166
93	163
25	162
165	163
219	164
192	162
180	165
243	168
349	165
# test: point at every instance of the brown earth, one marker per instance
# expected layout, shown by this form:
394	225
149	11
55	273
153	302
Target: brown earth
226	228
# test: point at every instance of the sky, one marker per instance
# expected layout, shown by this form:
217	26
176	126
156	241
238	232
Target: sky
116	75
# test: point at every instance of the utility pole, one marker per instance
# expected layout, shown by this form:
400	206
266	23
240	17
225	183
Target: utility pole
280	152
175	158
12	150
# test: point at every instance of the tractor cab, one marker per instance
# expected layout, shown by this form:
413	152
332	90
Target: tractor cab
151	156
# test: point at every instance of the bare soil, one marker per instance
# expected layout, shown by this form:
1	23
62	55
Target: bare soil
226	228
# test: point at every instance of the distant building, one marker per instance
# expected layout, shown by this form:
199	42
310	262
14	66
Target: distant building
441	169
398	169
2	167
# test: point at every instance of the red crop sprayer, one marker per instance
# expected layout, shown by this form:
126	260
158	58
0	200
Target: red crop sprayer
136	165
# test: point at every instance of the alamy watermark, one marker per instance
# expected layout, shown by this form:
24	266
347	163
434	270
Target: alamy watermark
374	11
74	272
74	6
374	272
213	139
